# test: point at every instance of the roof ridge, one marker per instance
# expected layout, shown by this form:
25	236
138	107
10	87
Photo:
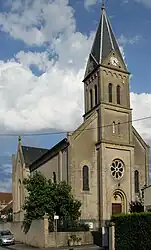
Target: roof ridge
33	147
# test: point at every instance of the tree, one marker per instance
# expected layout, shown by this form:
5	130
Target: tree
44	196
136	206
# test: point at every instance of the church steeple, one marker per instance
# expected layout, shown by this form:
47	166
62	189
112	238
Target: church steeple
104	43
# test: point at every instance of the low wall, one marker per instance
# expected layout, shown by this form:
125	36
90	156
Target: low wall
60	239
39	236
34	237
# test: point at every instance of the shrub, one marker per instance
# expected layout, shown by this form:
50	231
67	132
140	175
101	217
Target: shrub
132	231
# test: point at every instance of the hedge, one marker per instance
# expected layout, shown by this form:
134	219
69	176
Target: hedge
132	231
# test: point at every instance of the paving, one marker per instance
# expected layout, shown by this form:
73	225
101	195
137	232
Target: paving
20	246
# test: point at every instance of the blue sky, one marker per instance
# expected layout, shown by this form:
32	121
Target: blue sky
43	51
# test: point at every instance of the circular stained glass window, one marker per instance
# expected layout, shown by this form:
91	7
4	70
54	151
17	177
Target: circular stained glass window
117	169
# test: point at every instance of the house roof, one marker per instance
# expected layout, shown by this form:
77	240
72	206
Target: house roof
104	43
7	197
31	154
49	154
9	206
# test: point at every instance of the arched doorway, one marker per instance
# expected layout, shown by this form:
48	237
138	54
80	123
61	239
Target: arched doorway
118	202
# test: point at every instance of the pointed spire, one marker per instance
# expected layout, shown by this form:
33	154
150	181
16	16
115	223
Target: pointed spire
104	43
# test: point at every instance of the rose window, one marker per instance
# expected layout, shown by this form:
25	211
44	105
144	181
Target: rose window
117	169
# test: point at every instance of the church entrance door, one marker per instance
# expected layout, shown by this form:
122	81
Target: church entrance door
116	208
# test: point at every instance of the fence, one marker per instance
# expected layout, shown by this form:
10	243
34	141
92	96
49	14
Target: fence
68	226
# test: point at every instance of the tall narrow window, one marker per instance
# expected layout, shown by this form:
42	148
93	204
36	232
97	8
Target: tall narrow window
118	127
54	178
118	94
96	94
113	128
110	92
85	178
91	99
136	179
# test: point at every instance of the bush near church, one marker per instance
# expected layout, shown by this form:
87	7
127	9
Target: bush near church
132	231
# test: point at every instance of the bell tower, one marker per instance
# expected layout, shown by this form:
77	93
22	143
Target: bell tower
106	91
106	85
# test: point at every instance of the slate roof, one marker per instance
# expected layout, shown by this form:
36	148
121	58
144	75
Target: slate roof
104	43
49	154
31	154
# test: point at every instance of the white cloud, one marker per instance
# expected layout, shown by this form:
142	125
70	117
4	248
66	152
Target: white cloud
36	21
41	60
123	40
146	3
141	104
6	185
89	3
54	99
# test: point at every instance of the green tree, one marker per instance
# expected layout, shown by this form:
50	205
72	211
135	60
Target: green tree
136	207
44	196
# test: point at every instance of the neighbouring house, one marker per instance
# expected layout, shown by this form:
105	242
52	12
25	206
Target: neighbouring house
6	203
105	160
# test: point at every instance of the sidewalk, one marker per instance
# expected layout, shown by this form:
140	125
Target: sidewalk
21	246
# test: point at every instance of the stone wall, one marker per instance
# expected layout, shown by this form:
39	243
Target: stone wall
34	237
60	239
39	236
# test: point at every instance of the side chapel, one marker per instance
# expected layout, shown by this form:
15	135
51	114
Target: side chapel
105	160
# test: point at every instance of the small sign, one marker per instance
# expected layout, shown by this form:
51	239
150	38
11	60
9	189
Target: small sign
90	224
56	217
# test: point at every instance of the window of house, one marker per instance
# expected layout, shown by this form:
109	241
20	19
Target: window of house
136	179
113	128
110	92
91	99
118	94
96	94
85	178
54	178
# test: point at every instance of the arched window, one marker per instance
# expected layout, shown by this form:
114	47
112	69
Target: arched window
54	178
118	127
91	99
96	94
118	94
113	128
110	92
85	178
136	179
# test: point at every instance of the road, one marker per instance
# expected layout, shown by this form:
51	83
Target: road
24	247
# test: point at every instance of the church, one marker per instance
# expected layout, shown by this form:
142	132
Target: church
105	160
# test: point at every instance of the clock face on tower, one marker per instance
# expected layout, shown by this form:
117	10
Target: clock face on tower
114	61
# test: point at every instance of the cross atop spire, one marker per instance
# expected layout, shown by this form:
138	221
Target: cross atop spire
103	4
19	139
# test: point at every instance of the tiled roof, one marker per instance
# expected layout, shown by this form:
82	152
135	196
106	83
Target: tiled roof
31	154
7	197
9	206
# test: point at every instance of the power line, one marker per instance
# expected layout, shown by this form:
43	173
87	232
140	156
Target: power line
64	132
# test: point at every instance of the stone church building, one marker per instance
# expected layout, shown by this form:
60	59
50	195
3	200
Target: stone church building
105	160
